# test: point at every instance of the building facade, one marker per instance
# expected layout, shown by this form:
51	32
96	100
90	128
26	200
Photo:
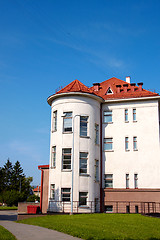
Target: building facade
104	147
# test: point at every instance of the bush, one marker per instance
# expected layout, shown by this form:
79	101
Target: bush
33	198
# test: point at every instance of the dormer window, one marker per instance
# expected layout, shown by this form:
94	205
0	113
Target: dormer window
109	91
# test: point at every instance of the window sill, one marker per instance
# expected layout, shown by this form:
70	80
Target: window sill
66	170
83	206
134	121
52	167
84	175
67	132
126	121
51	199
107	122
84	137
135	150
127	150
108	150
54	131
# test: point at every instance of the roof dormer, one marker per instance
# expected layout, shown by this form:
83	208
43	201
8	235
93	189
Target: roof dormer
109	91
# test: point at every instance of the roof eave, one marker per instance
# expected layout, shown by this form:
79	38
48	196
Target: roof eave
91	95
133	99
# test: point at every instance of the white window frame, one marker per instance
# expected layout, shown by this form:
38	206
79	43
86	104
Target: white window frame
53	157
54	126
66	159
136	180
126	119
67	120
65	194
108	180
126	144
83	195
135	143
52	192
83	161
134	115
97	134
107	114
127	180
108	142
84	129
96	170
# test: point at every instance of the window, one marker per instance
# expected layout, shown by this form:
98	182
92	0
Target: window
83	126
96	170
134	115
96	134
136	209
65	194
134	143
66	158
109	91
83	162
52	195
108	180
83	198
126	115
127	209
55	121
107	116
108	144
53	157
127	180
127	143
136	180
67	122
109	208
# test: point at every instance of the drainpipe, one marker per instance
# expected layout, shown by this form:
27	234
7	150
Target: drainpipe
101	164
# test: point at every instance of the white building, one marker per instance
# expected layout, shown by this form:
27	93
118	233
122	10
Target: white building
109	135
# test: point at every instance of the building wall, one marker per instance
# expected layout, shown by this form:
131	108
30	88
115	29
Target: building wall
146	160
79	105
45	190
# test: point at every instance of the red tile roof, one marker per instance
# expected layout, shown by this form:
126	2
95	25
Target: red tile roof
120	89
126	90
75	86
36	189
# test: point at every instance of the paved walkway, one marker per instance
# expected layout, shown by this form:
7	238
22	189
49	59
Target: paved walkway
29	232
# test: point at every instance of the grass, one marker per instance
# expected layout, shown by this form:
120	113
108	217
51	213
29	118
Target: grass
101	226
8	208
5	234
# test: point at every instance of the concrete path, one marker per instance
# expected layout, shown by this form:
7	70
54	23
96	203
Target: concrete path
29	232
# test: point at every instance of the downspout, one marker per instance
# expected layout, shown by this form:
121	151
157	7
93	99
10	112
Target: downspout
101	164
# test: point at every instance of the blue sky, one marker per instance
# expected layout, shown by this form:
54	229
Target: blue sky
48	44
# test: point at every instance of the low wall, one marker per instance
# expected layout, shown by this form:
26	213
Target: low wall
22	206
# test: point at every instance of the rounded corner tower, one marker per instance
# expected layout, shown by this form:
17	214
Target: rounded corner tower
74	172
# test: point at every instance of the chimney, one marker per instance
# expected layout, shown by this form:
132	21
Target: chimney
96	86
140	86
125	87
128	79
118	88
132	86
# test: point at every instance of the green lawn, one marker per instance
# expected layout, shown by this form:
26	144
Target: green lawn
8	208
5	234
101	226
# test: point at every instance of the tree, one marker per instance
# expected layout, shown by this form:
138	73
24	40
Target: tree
14	185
